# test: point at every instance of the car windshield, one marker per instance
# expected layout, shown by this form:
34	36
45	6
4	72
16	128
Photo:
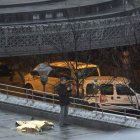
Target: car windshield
60	72
106	89
86	72
123	90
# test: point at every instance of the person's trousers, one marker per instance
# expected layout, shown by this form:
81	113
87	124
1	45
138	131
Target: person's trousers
63	115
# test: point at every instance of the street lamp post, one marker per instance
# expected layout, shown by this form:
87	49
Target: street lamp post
43	69
44	79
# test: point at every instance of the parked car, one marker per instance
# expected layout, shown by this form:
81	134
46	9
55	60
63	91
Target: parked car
6	74
4	70
61	68
9	76
110	93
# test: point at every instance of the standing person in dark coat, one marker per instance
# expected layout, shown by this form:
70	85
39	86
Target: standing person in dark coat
64	93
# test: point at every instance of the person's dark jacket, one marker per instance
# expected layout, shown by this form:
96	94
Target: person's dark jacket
63	94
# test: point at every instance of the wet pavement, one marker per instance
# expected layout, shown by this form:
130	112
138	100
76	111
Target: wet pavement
69	132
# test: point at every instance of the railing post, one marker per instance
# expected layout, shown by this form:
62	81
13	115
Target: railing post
96	104
26	92
53	100
102	112
44	96
74	106
74	101
7	93
32	97
125	113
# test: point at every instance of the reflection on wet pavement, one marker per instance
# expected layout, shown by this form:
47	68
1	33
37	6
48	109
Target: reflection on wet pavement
68	132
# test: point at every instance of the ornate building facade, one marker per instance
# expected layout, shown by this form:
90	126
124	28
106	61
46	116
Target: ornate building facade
48	26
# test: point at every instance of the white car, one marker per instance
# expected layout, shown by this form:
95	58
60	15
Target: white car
110	93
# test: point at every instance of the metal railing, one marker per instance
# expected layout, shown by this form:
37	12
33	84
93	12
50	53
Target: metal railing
34	95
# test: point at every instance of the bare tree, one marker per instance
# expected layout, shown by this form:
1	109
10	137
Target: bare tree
68	38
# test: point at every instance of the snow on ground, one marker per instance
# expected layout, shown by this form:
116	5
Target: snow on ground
75	112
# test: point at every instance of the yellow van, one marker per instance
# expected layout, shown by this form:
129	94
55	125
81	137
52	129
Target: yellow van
60	69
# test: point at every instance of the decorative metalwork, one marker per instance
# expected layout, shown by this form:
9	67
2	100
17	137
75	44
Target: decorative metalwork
16	40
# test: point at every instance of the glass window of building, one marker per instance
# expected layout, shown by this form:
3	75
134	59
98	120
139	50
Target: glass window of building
88	10
2	18
48	15
97	10
126	2
36	17
59	14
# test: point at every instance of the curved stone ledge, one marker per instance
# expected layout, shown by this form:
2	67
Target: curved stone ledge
17	2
